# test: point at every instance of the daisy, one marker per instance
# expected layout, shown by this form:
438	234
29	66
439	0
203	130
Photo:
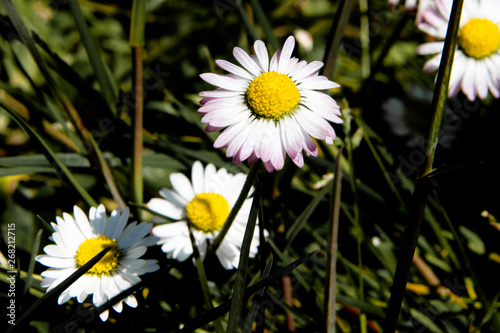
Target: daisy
204	203
77	241
270	108
476	67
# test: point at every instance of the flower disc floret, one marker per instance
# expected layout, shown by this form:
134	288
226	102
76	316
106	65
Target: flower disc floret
479	38
272	95
207	211
91	247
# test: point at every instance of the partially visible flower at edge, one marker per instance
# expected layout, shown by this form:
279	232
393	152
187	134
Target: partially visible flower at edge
270	108
205	203
476	66
77	240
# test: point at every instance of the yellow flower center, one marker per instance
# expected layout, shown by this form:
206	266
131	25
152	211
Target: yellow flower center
91	247
272	95
479	38
207	211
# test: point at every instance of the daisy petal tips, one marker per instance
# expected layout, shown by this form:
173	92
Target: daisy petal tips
79	238
269	108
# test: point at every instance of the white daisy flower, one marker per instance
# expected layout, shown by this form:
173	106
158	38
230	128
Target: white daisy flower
204	202
77	241
476	67
410	5
270	108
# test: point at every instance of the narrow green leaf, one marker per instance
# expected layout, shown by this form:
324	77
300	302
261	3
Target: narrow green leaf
425	321
138	23
209	316
95	58
330	300
264	23
256	305
299	223
241	274
53	159
31	265
336	33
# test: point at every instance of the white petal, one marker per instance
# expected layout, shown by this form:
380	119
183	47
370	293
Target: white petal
232	68
262	55
224	81
182	185
246	61
166	208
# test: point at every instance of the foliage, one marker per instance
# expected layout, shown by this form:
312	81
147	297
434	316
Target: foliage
66	131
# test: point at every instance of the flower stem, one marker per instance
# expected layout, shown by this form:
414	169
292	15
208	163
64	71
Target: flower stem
252	174
423	183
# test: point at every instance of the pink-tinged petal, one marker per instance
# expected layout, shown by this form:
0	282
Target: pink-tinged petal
182	185
219	103
286	53
430	48
224	82
278	156
246	61
269	166
444	8
229	134
225	117
235	144
232	68
166	208
262	55
308	144
220	93
211	128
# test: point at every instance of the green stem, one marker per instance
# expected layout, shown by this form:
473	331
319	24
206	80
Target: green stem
423	183
240	281
137	144
264	22
252	174
330	301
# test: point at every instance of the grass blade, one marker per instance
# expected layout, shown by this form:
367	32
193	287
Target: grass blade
332	253
209	316
422	185
100	70
239	285
54	160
